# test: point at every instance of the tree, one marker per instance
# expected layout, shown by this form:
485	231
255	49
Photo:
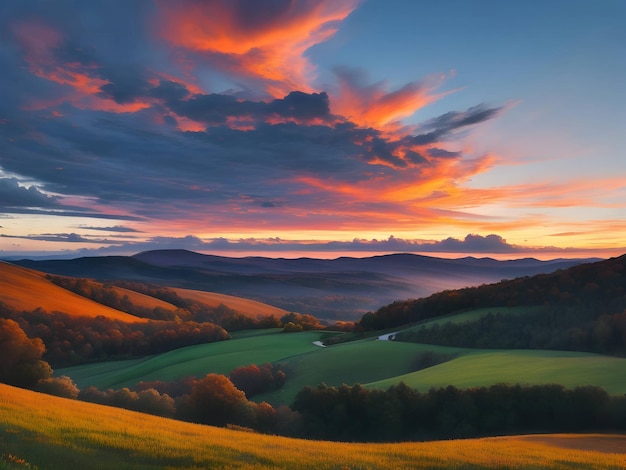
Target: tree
60	386
253	379
21	363
215	400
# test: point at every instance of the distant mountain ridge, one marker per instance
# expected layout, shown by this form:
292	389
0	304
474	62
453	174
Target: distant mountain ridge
342	288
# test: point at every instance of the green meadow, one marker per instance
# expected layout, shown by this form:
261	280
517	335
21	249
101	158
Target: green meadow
488	367
221	358
370	362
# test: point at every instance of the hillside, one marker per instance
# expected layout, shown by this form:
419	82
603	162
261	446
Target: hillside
370	362
598	286
246	307
339	289
26	289
56	433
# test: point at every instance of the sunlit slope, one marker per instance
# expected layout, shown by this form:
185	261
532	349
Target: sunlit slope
247	307
487	367
25	289
56	433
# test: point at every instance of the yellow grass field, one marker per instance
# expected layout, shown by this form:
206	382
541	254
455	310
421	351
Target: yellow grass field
26	289
54	433
246	307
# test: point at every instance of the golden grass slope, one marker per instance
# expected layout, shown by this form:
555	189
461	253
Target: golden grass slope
246	307
56	433
27	289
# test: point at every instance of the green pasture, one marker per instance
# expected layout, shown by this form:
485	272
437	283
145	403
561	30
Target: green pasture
221	358
355	362
487	367
375	364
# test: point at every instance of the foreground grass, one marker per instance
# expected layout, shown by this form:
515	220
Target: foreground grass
54	433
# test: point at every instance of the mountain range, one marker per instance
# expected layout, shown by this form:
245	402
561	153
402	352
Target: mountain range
335	289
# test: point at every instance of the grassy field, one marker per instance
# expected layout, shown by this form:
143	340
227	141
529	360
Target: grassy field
375	364
355	362
487	367
220	358
46	432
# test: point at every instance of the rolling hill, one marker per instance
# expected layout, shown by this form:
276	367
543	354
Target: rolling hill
339	289
371	362
48	432
246	307
26	289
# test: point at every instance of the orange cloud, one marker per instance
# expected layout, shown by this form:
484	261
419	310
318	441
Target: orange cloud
256	39
39	42
373	105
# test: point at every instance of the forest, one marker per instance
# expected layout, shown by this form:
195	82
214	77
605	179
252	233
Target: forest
581	308
70	340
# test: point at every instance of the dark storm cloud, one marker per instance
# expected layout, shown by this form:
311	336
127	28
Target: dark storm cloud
475	244
442	153
13	196
124	86
116	228
216	108
59	237
156	170
438	129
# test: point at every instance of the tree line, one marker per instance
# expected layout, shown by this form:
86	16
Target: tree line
573	328
71	340
185	309
577	299
402	413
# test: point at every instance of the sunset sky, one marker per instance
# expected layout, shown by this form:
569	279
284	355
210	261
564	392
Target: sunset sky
334	127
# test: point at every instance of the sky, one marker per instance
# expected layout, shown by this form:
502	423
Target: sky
290	127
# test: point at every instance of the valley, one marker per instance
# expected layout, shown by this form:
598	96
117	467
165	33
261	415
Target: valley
139	343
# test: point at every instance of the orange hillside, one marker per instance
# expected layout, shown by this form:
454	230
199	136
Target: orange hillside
139	299
26	289
247	307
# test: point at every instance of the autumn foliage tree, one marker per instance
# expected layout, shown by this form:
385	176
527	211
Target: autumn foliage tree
215	400
21	363
253	379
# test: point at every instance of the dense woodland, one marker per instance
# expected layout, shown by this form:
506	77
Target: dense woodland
401	413
581	308
570	329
